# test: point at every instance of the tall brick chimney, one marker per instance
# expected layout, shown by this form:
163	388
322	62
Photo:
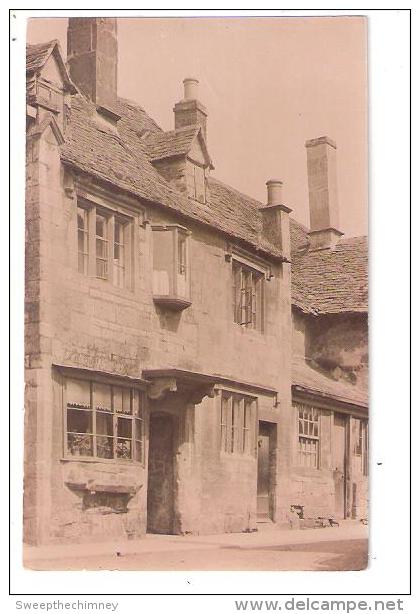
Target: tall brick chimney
275	217
189	111
92	57
323	193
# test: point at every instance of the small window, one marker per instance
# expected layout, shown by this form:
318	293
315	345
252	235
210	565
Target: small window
104	421
308	436
196	181
171	278
247	296
238	415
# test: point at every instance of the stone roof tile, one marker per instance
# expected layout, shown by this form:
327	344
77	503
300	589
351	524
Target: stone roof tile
332	280
313	381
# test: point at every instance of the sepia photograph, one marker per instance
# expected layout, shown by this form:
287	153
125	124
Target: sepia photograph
196	294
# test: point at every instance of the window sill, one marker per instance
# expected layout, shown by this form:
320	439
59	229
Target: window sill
102	282
174	303
89	459
253	332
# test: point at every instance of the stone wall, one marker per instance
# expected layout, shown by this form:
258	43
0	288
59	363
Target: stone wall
338	343
86	322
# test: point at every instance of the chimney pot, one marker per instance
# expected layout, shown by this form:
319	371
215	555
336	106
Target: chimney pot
189	111
190	88
274	192
275	217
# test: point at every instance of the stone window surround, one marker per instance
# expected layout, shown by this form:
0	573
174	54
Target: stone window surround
312	438
238	439
111	216
262	272
92	376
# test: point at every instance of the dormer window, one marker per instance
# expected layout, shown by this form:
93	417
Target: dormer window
196	181
171	274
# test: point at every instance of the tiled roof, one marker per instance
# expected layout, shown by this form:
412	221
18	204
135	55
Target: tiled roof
173	143
37	55
312	381
121	159
328	281
332	280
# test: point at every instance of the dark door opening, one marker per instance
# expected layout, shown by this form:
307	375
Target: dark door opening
339	464
160	489
265	494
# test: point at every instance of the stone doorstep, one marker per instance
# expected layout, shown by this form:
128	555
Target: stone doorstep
163	543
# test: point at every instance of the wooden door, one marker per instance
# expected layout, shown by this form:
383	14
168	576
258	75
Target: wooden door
263	480
339	459
160	489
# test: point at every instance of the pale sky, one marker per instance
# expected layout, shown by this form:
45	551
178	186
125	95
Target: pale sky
269	84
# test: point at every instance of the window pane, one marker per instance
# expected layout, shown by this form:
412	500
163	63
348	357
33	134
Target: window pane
119	263
124	447
79	420
137	403
163	262
78	393
101	247
102	396
79	429
122	400
103	423
101	226
79	445
104	447
124	427
82	239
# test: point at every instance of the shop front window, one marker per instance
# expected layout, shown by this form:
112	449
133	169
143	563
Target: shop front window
103	421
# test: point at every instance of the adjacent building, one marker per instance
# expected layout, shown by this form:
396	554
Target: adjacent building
196	361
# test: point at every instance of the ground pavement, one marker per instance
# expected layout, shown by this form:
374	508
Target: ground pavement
332	548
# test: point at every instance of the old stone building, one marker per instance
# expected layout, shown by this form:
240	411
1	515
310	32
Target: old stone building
196	361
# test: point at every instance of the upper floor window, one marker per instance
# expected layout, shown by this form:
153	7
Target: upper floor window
82	240
247	296
103	243
171	275
238	416
196	181
103	421
308	436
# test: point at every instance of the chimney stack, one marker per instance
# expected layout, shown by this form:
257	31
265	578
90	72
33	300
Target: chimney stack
323	193
189	111
92	57
275	218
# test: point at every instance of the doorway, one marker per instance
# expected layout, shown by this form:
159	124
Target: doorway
340	464
160	488
266	466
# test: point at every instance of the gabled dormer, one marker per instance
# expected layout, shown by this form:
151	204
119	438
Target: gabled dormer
181	155
47	84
